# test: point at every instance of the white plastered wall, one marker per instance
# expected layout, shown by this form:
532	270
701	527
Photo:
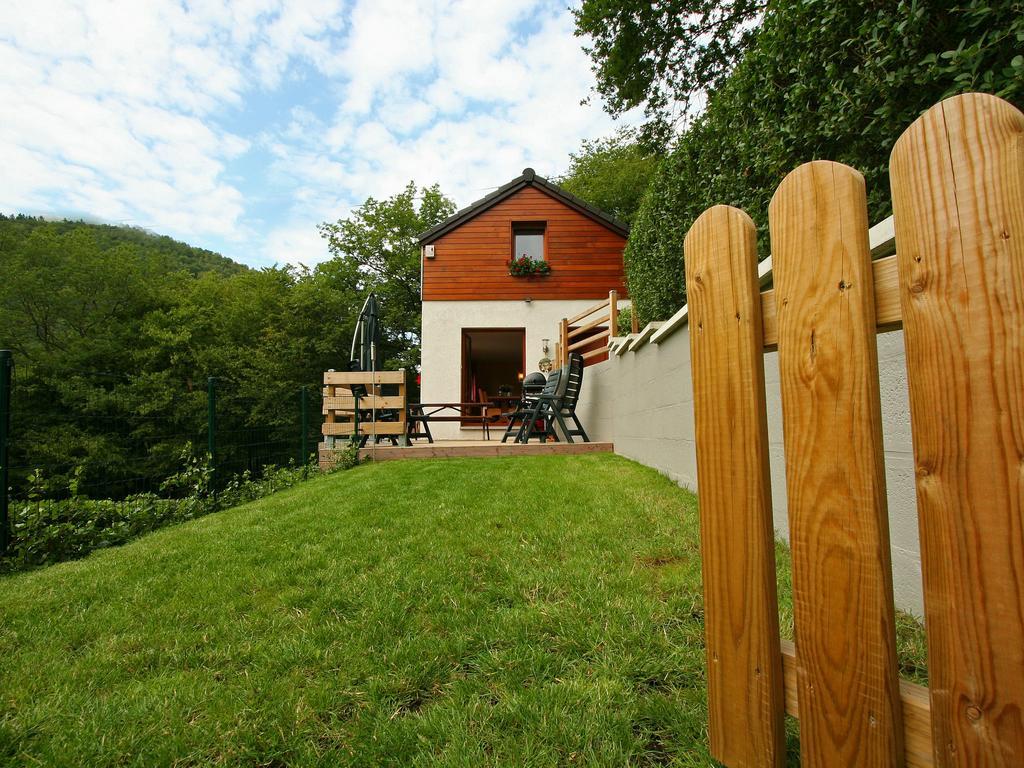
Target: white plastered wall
642	401
441	360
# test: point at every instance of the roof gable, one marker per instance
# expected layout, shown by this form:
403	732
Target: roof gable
529	178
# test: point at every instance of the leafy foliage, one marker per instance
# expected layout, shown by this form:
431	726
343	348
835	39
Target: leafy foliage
379	239
345	458
663	54
822	80
175	254
115	333
625	322
46	531
611	173
524	266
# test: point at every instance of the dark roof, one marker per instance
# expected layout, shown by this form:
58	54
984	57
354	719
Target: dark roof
528	179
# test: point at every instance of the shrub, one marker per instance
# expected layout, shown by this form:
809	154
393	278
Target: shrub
46	531
625	322
344	459
823	80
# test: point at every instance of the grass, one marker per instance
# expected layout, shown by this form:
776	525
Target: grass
531	611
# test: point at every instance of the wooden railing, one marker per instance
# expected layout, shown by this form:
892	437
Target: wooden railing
589	332
342	409
956	287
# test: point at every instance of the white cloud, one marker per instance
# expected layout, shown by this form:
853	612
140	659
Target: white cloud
473	106
112	110
120	110
294	243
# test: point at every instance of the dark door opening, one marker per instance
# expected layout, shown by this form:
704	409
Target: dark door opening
493	364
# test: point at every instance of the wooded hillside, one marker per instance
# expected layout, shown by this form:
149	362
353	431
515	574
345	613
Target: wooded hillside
115	332
14	230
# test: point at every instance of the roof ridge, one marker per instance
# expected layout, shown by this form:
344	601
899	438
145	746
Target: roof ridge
527	178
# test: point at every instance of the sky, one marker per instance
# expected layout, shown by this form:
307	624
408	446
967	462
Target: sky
240	126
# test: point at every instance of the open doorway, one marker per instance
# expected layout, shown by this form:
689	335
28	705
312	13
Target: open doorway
493	363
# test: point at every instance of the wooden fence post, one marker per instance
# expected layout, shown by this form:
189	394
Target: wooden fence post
744	662
613	313
847	683
563	332
958	199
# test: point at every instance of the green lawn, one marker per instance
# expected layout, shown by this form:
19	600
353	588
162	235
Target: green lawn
529	611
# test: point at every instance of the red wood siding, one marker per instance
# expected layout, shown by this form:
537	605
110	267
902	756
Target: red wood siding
470	261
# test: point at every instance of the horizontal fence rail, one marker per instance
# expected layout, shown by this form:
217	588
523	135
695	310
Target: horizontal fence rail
363	405
588	332
956	287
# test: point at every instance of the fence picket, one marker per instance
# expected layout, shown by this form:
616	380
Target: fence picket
848	687
745	697
958	198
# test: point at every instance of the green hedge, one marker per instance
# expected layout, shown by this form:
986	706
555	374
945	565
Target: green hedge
824	80
47	531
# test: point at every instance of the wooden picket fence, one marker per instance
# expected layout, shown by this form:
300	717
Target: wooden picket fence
589	332
956	288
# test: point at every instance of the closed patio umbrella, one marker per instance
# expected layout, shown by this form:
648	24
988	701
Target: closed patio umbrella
366	340
366	349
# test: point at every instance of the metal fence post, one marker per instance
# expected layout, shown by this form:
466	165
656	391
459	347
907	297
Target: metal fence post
304	446
6	366
211	427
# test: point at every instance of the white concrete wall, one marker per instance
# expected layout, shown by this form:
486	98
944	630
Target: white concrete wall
643	402
443	322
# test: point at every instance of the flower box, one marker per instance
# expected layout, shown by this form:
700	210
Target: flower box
524	266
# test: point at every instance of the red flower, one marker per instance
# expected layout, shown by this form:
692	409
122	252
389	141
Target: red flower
520	266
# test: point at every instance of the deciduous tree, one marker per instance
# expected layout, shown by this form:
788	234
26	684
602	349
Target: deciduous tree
661	54
611	173
379	238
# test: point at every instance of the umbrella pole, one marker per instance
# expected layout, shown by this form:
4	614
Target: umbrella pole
373	385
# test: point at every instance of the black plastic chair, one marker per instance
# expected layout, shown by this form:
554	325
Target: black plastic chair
359	391
517	419
560	404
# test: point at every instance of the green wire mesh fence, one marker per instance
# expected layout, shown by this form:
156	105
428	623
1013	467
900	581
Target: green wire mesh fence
59	445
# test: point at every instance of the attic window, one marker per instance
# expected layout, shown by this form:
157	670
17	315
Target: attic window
528	239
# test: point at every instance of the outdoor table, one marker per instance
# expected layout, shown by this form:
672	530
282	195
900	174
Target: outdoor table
505	402
425	413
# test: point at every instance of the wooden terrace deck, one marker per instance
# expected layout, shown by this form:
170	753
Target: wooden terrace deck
449	449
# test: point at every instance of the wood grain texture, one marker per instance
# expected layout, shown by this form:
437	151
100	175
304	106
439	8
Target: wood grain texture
745	703
439	450
832	428
470	261
591	324
917	729
603	334
364	403
595	356
365	428
364	377
588	311
888	316
957	179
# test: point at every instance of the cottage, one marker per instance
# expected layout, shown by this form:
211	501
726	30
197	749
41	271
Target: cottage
485	327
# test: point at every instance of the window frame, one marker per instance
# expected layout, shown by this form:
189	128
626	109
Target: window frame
530	228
